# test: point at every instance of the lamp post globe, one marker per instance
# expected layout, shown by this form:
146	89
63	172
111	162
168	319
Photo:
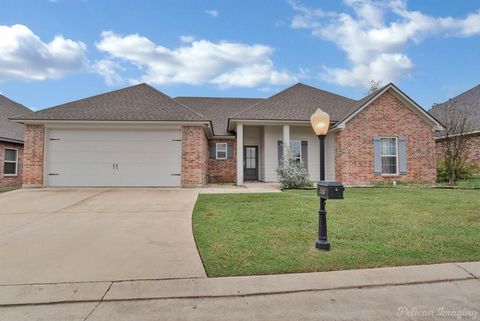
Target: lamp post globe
320	121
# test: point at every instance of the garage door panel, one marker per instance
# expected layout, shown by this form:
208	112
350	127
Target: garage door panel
113	135
86	157
110	157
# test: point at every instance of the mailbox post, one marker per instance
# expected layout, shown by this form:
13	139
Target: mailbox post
326	190
320	121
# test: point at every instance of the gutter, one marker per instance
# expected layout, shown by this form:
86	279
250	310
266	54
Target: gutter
11	140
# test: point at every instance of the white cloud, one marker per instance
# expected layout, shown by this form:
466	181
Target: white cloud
187	39
214	12
109	69
375	47
23	55
225	64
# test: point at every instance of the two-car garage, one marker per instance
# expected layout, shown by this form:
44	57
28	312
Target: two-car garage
113	157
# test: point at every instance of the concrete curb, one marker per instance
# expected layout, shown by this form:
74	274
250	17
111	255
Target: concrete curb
235	286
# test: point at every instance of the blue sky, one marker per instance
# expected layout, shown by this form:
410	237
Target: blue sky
58	51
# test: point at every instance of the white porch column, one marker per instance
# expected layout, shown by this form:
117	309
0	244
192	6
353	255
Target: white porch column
239	154
286	139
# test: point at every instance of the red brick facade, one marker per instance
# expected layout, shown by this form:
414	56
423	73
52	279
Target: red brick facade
11	181
386	116
33	155
223	170
473	150
194	156
354	152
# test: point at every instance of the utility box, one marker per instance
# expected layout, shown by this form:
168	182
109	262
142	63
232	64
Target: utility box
330	190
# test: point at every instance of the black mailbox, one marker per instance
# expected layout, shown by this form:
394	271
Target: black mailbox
330	190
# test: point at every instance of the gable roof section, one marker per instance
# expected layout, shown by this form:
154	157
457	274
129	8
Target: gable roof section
468	102
367	100
9	130
136	103
298	103
218	109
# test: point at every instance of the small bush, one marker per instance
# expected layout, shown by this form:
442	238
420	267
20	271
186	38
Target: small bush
466	172
292	173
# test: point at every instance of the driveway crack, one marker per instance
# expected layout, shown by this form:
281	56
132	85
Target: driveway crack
467	271
99	302
82	200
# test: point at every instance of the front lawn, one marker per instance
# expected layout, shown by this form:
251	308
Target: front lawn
245	234
471	182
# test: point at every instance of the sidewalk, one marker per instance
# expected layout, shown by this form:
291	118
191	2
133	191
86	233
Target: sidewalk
228	287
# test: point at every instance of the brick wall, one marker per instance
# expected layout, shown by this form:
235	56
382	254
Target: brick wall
33	155
473	151
11	181
223	170
194	156
387	116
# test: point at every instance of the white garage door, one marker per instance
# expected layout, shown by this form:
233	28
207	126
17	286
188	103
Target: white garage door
81	157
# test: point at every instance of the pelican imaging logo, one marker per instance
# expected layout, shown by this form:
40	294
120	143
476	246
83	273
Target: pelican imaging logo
441	312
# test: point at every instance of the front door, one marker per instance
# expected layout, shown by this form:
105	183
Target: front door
250	164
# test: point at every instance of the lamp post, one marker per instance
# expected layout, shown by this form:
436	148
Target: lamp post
320	121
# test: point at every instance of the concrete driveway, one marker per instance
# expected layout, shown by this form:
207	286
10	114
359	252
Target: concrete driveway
80	235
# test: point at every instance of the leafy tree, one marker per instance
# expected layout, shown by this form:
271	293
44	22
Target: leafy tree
454	144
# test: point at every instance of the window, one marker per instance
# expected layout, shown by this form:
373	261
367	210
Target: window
10	162
221	151
296	149
389	154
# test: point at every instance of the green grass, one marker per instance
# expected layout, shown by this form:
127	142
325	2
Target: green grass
471	182
245	234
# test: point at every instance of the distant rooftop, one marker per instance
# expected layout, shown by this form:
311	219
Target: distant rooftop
10	130
468	102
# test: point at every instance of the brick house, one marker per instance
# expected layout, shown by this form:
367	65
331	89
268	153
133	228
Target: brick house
467	103
11	143
137	136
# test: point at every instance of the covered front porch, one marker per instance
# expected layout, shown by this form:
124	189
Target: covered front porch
261	146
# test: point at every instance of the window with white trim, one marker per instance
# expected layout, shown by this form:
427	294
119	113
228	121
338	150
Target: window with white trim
389	154
10	162
221	151
296	149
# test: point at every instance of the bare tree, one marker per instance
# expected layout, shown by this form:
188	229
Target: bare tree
374	86
455	142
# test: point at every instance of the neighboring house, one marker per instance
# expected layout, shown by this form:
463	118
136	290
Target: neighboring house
138	136
11	143
468	103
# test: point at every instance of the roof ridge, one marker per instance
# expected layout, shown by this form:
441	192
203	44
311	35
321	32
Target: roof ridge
250	107
323	90
212	97
94	96
13	101
183	105
476	87
288	88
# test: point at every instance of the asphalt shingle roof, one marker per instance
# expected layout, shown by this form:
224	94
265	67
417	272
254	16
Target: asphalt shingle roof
11	130
468	102
218	109
299	102
136	103
143	102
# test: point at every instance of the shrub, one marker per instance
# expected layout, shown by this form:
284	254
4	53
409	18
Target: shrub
292	173
465	172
